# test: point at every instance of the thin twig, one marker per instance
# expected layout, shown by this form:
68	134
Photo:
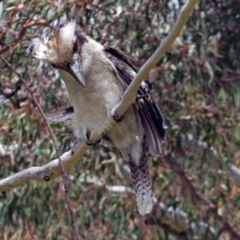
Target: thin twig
233	232
54	143
177	169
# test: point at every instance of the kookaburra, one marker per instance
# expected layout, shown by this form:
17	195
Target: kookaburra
96	78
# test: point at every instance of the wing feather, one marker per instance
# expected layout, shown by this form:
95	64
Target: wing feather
151	116
63	115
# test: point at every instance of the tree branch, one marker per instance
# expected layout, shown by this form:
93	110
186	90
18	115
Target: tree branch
175	220
234	173
201	146
172	219
52	136
45	173
129	96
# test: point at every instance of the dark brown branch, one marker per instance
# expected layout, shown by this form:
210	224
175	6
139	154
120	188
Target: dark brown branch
212	208
230	229
177	169
54	143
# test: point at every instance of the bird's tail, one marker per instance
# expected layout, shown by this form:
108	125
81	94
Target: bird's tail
142	184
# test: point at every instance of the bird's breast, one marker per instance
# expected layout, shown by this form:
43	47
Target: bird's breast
92	104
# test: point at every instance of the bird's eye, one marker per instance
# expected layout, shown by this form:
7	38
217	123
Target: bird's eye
75	47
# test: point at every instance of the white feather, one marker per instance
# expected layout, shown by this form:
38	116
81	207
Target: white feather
40	49
67	35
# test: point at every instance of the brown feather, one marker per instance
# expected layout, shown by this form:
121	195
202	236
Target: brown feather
152	119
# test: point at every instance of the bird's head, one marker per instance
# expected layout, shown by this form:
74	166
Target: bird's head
62	50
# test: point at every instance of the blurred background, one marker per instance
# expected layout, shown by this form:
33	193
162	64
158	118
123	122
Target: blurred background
198	89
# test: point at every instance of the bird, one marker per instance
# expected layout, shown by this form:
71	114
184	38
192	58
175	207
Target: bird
96	78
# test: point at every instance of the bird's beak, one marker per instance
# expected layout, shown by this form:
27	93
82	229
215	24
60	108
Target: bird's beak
75	69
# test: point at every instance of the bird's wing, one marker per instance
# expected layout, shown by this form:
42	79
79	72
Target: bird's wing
63	115
152	119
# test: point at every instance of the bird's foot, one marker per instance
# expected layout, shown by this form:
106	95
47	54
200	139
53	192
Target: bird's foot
90	136
90	143
117	119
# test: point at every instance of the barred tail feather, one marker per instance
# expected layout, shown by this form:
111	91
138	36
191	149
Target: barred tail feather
142	185
147	183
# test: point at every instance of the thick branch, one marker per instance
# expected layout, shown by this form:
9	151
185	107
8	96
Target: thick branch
129	96
47	172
